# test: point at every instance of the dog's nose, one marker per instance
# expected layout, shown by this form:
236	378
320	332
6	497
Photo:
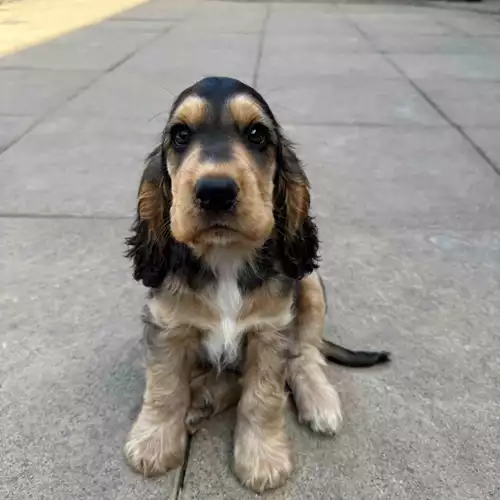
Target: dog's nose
216	194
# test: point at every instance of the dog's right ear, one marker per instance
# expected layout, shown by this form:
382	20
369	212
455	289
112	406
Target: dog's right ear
148	245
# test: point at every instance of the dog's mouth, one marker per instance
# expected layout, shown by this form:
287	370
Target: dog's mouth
220	228
224	234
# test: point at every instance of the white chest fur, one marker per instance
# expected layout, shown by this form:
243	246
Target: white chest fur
223	343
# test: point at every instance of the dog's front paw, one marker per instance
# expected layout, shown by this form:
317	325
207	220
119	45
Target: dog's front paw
261	461
201	409
321	411
153	448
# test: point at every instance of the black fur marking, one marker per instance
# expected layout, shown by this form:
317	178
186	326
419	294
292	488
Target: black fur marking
299	255
354	359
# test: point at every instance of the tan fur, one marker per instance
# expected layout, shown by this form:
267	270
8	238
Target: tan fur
317	401
192	111
244	111
297	201
158	437
253	221
150	204
211	394
262	453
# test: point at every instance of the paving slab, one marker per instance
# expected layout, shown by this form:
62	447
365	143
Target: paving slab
281	45
143	96
433	44
225	18
442	66
35	92
143	25
154	10
405	177
126	94
468	103
71	363
491	42
347	100
12	127
399	23
206	53
88	48
33	22
73	165
314	21
473	24
487	140
325	63
425	426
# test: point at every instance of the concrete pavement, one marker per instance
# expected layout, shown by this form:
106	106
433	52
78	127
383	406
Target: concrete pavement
396	112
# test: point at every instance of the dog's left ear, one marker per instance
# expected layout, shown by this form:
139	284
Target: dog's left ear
149	247
297	236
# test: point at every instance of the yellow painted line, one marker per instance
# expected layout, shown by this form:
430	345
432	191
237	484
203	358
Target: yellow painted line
24	23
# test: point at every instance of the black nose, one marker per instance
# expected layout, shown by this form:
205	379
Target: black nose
216	194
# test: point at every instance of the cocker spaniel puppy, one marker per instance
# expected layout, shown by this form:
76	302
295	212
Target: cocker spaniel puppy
226	244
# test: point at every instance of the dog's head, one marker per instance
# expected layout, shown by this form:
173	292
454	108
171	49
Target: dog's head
224	176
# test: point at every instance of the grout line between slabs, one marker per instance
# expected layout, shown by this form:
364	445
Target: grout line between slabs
182	472
431	102
260	49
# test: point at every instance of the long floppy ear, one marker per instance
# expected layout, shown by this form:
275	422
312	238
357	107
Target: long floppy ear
148	245
297	236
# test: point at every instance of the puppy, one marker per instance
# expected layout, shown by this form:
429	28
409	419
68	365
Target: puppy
226	244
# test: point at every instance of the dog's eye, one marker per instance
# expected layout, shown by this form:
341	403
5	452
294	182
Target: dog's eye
257	134
181	136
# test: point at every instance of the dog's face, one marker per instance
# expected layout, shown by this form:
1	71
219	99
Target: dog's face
224	176
220	150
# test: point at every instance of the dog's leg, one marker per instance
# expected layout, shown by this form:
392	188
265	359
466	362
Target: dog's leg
317	401
262	454
211	394
158	438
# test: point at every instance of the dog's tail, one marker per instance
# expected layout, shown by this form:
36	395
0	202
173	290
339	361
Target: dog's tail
355	359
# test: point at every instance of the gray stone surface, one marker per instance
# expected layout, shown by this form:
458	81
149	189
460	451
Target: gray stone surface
461	66
400	23
159	10
12	127
401	177
89	49
202	53
325	63
430	44
77	166
347	100
473	24
408	213
225	18
487	140
466	103
70	362
128	94
317	20
34	92
330	43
